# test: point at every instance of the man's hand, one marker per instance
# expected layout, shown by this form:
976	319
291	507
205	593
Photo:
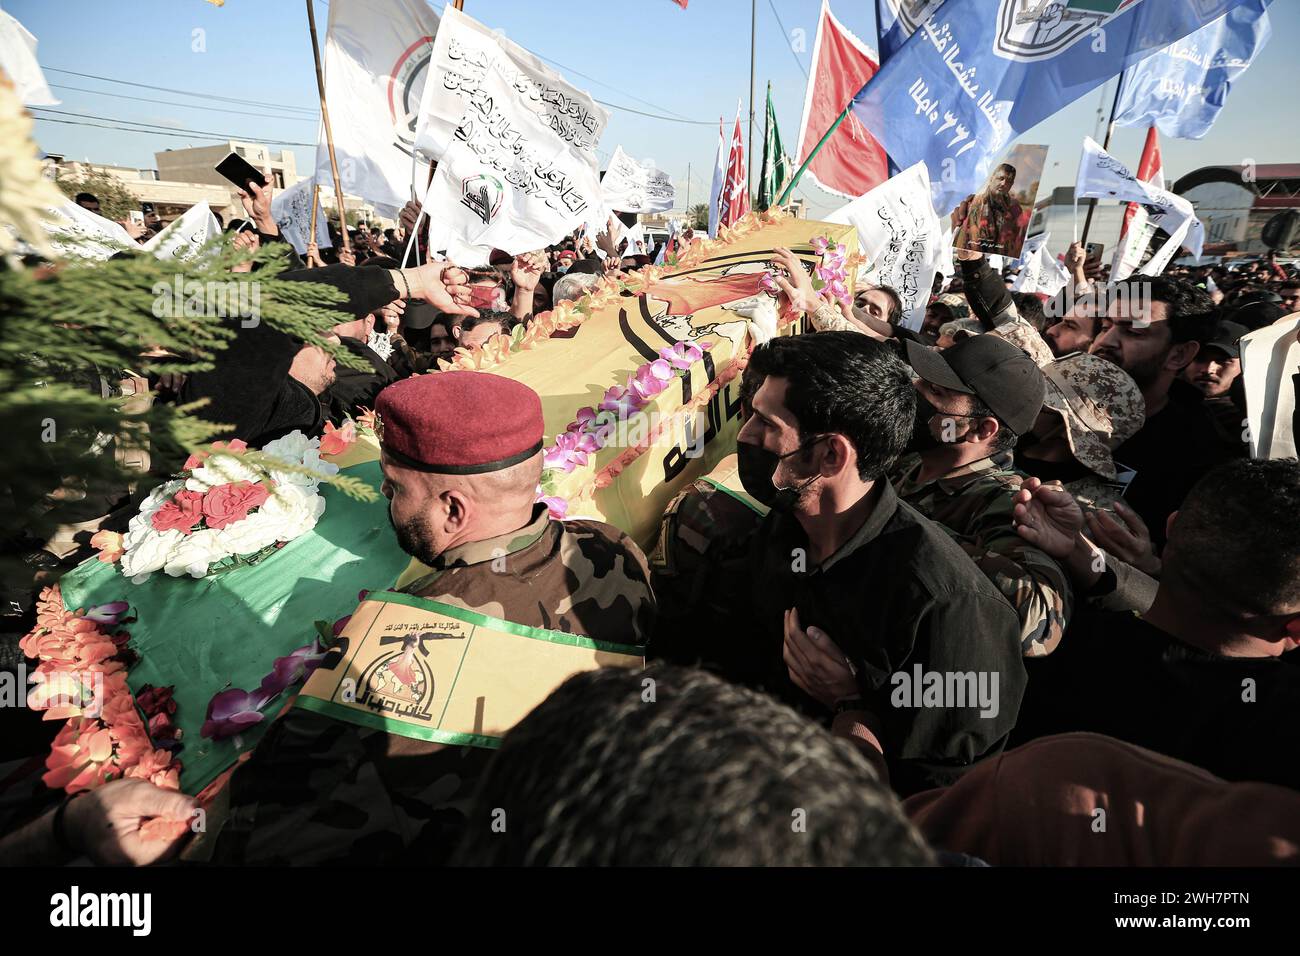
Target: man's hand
1126	537
106	823
257	203
441	284
1074	256
816	665
249	241
1048	517
605	238
313	259
392	314
798	286
347	257
133	229
408	216
526	271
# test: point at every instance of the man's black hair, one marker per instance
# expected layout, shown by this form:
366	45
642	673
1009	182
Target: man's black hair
1191	312
1236	538
85	197
847	383
1030	308
484	316
671	766
895	314
1005	439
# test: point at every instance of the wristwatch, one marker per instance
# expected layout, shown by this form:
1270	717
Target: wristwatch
845	704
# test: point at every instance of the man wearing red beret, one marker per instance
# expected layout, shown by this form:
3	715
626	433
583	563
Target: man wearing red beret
461	458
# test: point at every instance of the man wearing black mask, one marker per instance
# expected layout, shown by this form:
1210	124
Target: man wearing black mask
973	401
842	562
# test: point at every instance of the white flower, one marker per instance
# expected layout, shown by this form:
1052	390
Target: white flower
219	470
292	447
157	498
194	554
293	510
250	535
147	550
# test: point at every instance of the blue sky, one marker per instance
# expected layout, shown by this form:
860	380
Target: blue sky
645	54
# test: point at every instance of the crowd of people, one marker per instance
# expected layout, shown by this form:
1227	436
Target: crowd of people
973	589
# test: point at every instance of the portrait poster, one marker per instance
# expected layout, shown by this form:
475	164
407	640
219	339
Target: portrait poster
994	220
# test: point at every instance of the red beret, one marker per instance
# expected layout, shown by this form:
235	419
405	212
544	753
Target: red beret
459	423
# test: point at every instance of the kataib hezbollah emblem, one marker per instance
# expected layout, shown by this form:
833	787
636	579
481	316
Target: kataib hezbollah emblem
400	682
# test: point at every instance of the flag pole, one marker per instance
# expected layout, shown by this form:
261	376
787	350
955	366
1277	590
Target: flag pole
1110	128
329	136
315	198
785	196
749	153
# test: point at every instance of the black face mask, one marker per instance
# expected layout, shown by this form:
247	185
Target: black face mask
922	439
756	466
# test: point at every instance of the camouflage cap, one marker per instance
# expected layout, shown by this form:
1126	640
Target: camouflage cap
1026	338
958	305
1101	404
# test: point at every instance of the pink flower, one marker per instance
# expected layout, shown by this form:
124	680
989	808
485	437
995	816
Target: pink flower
336	441
109	544
620	400
566	453
159	768
650	379
681	355
820	244
231	502
295	666
196	459
585	417
182	513
558	507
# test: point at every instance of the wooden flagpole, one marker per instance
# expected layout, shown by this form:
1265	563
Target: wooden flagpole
315	198
329	136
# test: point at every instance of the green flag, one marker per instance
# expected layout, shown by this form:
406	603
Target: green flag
776	164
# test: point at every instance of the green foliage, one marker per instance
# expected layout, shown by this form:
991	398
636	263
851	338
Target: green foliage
68	332
699	215
115	200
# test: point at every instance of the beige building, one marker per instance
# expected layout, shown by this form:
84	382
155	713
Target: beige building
187	177
195	165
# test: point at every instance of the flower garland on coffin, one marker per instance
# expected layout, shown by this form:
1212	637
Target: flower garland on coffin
81	679
218	513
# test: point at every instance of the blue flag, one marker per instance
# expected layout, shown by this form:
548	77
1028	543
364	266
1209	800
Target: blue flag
1181	89
970	79
896	20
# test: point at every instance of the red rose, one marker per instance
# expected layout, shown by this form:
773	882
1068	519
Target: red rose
226	504
182	513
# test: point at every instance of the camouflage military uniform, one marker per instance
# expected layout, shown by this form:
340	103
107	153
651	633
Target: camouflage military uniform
319	790
974	504
700	567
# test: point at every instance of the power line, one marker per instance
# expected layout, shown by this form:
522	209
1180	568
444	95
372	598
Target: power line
207	96
608	86
153	132
188	106
786	34
155	128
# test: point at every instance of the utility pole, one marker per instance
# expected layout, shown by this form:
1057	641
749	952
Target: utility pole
749	153
688	189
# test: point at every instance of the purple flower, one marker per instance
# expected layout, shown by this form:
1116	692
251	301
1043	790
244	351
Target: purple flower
569	451
558	507
295	666
621	401
650	379
768	284
107	613
586	417
231	712
340	624
681	355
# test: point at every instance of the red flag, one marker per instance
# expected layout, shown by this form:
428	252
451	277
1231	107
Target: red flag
734	202
681	3
1150	170
852	162
687	296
